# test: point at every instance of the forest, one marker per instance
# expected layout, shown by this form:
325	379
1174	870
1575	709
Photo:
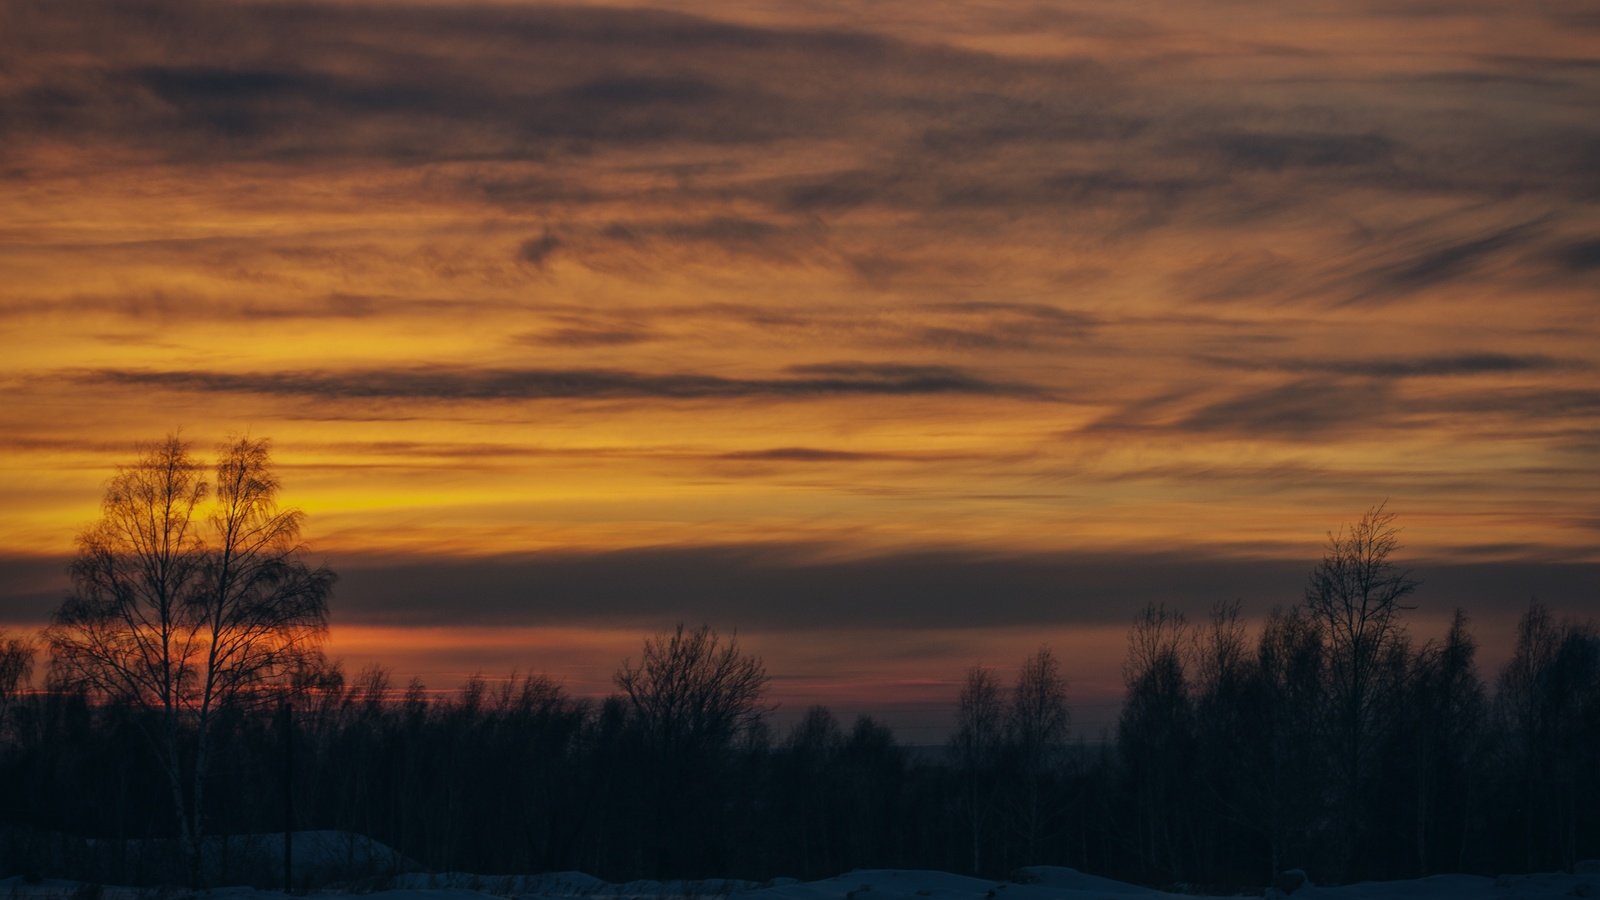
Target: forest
1227	766
1326	738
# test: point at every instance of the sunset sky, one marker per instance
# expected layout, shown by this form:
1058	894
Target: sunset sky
898	336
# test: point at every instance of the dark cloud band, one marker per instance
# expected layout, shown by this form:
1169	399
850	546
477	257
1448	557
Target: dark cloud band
799	382
1441	365
802	586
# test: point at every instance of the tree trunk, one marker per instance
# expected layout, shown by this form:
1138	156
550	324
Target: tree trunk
186	844
196	828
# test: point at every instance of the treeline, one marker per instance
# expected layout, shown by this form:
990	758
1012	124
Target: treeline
1329	740
1233	759
1226	767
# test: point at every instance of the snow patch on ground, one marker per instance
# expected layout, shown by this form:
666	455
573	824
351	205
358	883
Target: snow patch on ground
1032	883
571	885
1062	878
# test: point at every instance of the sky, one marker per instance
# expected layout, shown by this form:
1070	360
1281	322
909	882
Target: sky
897	337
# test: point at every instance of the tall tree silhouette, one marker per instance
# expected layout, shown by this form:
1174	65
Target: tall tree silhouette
1287	767
1225	703
1444	708
1548	706
691	694
808	778
975	749
16	667
181	608
1155	737
1037	723
1355	596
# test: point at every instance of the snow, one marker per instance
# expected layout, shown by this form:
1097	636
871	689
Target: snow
322	851
880	884
570	885
1061	878
319	856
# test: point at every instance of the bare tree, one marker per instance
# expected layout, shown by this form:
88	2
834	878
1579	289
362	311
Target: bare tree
1221	650
1155	735
1038	718
1548	704
691	695
1445	710
16	668
691	689
813	751
1224	739
980	718
1355	596
1037	723
180	608
1283	782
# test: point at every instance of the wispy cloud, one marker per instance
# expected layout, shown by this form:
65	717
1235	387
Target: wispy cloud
809	587
1421	266
1306	408
441	383
827	455
1434	366
1273	152
1579	256
589	336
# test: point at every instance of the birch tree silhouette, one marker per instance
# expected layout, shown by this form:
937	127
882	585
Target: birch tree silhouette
1355	596
16	666
186	601
691	695
1036	728
974	750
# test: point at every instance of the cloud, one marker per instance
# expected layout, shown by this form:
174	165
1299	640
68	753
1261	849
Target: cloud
1495	78
521	190
985	326
31	587
1378	266
932	128
790	586
1579	256
913	378
824	455
537	251
441	383
1559	406
1440	365
642	90
230	100
1139	199
716	230
164	306
590	336
988	121
924	326
647	243
1440	261
837	191
1271	151
1303	409
1340	399
1111	184
1398	261
786	587
430	82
